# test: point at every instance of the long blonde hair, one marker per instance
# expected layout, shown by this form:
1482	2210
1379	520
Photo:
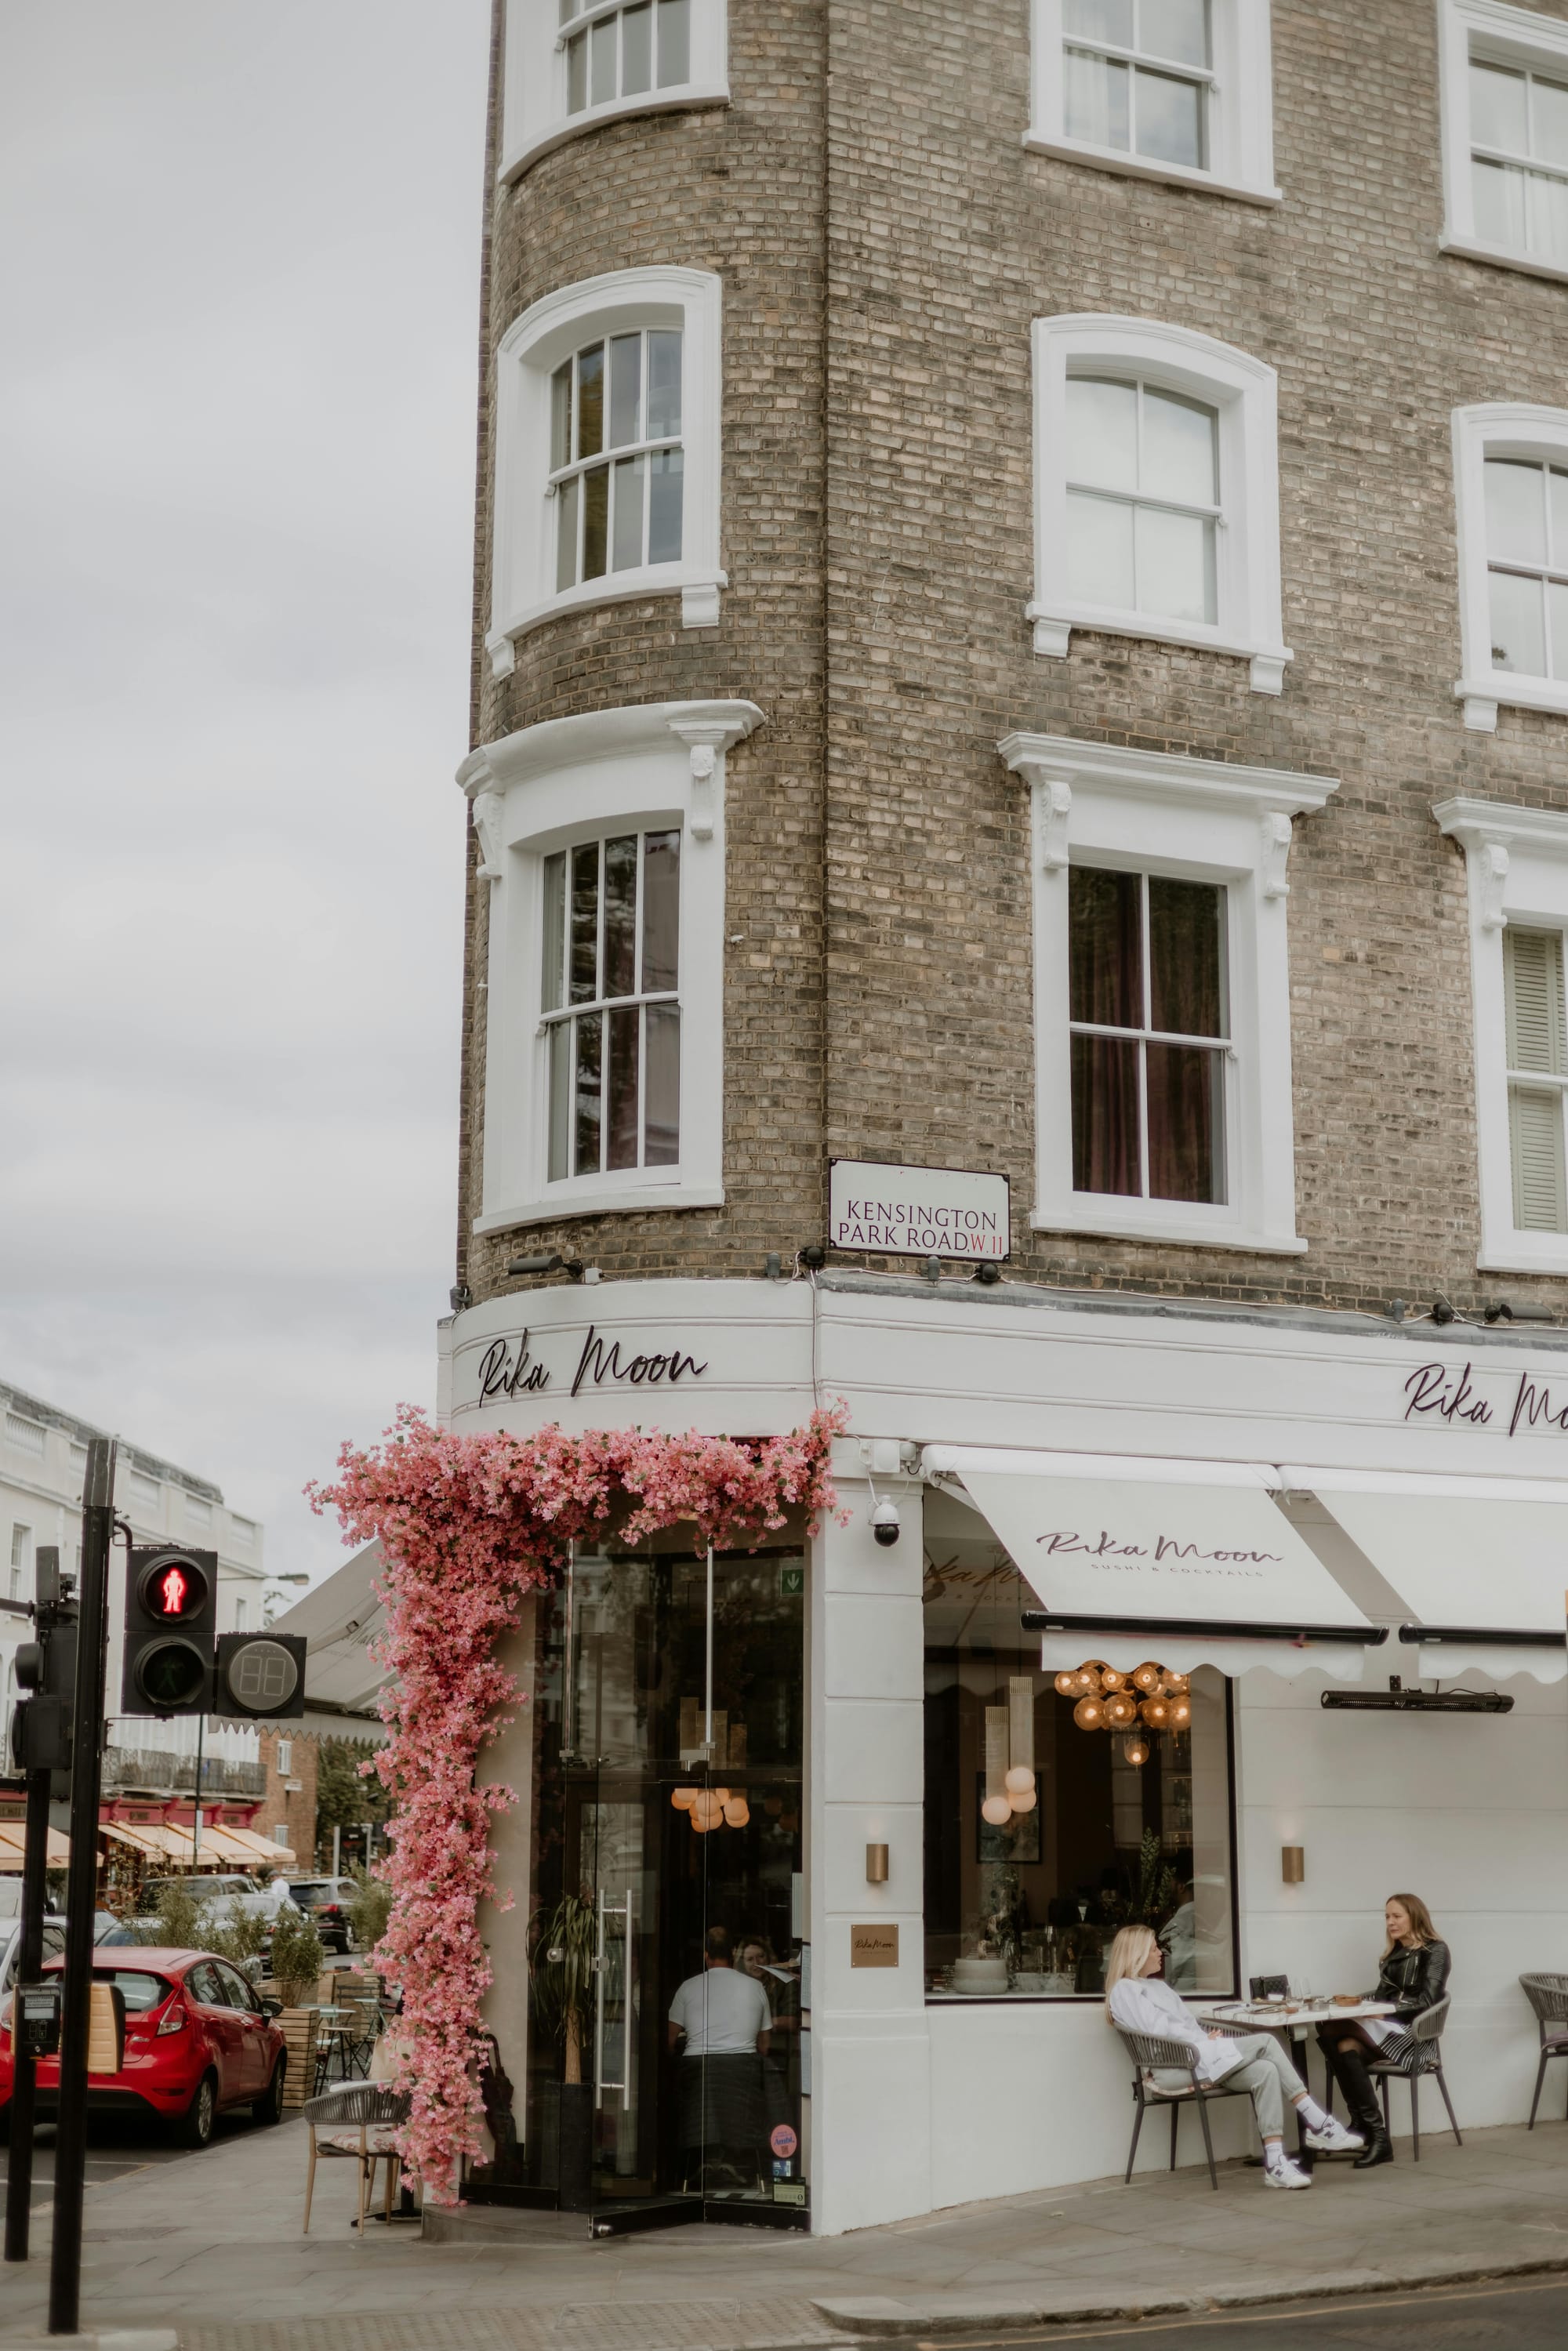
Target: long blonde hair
1420	1919
1128	1952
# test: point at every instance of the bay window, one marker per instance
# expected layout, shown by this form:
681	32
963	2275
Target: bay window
570	65
616	466
610	1003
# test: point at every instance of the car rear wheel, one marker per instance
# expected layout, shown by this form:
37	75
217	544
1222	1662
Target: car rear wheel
268	2107
194	2126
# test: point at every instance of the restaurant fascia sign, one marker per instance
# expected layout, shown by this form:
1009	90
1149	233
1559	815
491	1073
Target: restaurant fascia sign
917	1211
1450	1394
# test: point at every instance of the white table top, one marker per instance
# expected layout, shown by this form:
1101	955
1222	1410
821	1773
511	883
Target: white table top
1275	2016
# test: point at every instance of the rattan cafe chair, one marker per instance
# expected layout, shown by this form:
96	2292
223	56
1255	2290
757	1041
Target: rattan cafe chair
1427	2029
358	2120
1548	1996
1149	2054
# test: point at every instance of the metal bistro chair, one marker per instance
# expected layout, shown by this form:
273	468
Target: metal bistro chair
1427	2028
357	2120
1147	2053
1548	1996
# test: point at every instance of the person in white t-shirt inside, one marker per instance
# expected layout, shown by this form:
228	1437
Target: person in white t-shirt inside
1138	2003
720	2022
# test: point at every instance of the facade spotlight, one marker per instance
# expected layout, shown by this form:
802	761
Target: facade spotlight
813	1257
989	1273
545	1262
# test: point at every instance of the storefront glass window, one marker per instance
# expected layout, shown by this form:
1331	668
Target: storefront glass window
1042	1837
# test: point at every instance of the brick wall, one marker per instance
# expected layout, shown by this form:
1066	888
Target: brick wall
885	243
290	1799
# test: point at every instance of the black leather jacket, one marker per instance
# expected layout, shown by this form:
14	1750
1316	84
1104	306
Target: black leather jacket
1414	1981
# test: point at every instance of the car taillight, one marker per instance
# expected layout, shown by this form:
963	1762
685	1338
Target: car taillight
331	1909
172	2021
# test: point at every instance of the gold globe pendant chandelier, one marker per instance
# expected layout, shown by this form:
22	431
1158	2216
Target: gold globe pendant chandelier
1151	1698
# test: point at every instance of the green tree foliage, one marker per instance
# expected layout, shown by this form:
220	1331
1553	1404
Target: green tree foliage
298	1958
370	1909
343	1799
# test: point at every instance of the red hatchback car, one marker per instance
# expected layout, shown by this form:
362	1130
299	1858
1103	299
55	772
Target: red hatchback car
197	2043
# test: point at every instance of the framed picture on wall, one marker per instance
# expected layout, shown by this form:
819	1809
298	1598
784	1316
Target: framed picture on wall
1019	1841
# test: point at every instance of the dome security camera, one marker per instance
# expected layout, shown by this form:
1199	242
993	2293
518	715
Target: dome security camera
886	1524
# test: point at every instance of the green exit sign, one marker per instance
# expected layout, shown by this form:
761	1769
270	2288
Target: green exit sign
791	1582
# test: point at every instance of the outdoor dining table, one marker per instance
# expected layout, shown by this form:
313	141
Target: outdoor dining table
1293	2020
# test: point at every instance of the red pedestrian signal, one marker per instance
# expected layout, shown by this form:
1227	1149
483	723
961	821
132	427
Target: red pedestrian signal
170	1610
171	1592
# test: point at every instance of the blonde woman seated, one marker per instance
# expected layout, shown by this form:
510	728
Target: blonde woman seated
1137	2001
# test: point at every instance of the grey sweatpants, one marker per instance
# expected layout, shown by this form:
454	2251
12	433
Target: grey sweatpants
1264	2071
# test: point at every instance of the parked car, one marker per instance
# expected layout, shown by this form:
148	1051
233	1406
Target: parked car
327	1901
218	1893
198	2042
11	1943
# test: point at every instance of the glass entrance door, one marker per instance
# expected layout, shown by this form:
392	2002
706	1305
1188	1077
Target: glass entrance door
677	1867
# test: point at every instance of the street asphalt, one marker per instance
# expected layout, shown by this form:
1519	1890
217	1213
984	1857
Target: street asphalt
1529	2316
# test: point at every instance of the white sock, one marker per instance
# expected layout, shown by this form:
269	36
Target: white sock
1273	2153
1310	2111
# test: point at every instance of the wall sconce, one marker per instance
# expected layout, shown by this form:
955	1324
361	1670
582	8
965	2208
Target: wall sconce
877	1865
1293	1865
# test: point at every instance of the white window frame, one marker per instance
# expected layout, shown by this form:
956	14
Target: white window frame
523	589
534	93
1201	820
652	765
1241	114
1496	429
1495	33
1244	391
1517	871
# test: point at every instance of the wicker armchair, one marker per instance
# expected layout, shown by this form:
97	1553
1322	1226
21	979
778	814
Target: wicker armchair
1149	2055
358	2120
1548	1996
1427	2030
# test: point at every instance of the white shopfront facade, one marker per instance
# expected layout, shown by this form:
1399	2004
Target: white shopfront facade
1421	1473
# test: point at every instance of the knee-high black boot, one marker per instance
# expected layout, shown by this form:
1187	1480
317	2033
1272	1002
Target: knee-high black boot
1350	2071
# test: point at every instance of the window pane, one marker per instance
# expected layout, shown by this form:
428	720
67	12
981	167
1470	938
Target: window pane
625	385
590	400
1105	952
1497	110
1186	946
552	976
1516	522
1534	1007
560	1101
589	1075
1549	121
566	534
1546	217
569	9
1176	566
595	521
675	43
1100	550
577	73
1535	1138
1105	1116
1170	120
1186	1111
664	491
1557	624
620	916
1096	100
560	417
637	49
628	513
664	385
1557	518
661	1109
620	1138
585	921
1500	205
1101	20
1181	441
602	72
1102	432
661	910
1518	634
1174	28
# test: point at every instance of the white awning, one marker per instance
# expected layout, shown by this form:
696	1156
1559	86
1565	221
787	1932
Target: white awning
1481	1564
1189	1562
340	1619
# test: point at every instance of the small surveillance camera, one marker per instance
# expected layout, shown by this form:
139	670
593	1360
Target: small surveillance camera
884	1524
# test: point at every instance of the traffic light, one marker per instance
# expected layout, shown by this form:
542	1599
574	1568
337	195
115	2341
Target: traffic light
170	1623
260	1675
46	1670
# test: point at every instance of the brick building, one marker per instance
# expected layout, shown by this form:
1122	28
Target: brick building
1015	614
287	1809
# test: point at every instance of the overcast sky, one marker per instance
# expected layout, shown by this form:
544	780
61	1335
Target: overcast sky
239	291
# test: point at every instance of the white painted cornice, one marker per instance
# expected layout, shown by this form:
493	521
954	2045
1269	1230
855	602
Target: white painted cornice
557	743
1477	822
1045	760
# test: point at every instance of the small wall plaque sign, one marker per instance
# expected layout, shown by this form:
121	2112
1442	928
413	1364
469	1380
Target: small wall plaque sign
875	1946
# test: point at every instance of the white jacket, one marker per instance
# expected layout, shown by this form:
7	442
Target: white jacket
1144	2004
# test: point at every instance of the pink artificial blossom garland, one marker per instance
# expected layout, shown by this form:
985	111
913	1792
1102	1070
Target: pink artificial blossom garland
467	1525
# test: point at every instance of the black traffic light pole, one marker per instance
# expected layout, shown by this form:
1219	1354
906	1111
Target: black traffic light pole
29	1964
87	1763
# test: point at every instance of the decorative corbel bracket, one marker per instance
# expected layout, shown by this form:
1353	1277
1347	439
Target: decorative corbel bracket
1489	832
706	739
1050	784
487	800
1491	871
1274	837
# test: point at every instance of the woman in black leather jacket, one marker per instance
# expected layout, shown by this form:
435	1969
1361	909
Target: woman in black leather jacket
1414	1976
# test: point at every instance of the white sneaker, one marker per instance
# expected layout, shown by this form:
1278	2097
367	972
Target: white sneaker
1332	2137
1286	2174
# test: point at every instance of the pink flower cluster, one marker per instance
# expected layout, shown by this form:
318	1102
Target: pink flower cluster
467	1525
